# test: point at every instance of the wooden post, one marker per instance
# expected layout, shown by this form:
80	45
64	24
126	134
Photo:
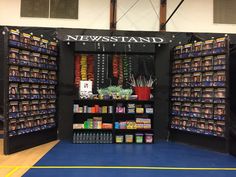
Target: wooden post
113	12
162	15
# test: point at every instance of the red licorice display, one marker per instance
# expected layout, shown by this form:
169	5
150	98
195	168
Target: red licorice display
115	65
77	70
84	68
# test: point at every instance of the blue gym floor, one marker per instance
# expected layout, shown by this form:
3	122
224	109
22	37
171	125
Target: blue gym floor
161	154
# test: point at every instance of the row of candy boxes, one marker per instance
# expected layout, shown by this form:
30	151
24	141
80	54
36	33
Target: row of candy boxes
190	54
50	66
28	46
177	69
26	113
31	96
204	114
32	80
199	130
20	131
190	83
200	99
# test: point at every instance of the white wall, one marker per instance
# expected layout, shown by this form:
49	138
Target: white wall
94	14
192	16
141	17
195	16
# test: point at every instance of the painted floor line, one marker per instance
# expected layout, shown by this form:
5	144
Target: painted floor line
12	171
121	167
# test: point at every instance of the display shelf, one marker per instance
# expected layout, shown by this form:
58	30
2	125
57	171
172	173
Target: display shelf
206	79
205	55
34	115
28	66
20	45
78	117
199	133
93	130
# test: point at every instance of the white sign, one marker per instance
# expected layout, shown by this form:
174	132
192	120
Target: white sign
85	88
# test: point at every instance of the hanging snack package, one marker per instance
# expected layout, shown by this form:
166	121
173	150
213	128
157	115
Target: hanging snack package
129	138
21	126
52	77
51	92
176	94
193	125
34	91
24	108
196	64
37	123
35	75
185	109
183	123
207	63
35	42
43	91
44	46
220	62
175	122
34	59
13	91
25	40
211	127
52	63
202	126
44	61
13	109
14	37
197	49
220	79
186	80
185	94
207	95
43	107
207	79
176	108
178	52
14	74
187	50
177	66
220	94
24	91
220	128
196	95
186	65
176	81
51	106
207	47
34	107
45	77
24	58
219	45
196	79
219	112
12	127
53	47
25	74
14	55
207	111
196	110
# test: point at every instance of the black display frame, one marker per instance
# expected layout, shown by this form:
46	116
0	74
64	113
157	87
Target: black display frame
28	140
220	144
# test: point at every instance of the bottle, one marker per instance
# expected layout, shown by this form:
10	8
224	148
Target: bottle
97	138
74	137
110	138
80	138
93	138
101	138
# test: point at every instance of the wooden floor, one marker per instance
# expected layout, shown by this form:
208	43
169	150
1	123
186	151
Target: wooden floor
28	158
